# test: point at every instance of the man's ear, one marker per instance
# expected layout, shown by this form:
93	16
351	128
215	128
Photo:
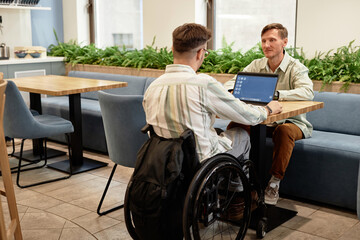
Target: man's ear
198	54
285	42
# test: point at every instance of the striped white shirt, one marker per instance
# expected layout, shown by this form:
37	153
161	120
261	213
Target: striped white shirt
181	99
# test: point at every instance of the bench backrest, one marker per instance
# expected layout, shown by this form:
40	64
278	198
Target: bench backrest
136	84
341	113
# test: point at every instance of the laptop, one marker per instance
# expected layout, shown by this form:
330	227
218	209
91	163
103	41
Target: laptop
255	88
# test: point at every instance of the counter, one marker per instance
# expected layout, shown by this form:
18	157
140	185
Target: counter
25	67
31	60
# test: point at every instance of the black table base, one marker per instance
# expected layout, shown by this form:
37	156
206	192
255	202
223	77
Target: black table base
87	165
275	217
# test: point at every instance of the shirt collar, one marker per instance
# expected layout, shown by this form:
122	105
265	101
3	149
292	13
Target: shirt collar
172	68
283	65
285	62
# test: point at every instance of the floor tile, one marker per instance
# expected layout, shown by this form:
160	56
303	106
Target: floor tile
352	234
76	234
40	202
41	234
75	179
296	235
117	231
68	211
327	225
69	224
44	220
94	223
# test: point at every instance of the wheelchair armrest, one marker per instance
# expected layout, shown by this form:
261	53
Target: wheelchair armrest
148	128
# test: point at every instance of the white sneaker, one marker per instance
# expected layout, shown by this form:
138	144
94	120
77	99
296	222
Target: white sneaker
271	194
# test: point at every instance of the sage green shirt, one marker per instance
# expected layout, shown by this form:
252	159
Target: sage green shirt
294	84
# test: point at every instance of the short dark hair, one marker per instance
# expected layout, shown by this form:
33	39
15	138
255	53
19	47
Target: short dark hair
283	33
189	36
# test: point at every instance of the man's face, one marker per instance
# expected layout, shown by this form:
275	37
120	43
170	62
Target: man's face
272	44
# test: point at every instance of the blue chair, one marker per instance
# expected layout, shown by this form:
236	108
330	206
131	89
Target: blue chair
19	122
122	126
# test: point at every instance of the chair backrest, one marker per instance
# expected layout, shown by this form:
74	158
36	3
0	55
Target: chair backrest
123	117
18	119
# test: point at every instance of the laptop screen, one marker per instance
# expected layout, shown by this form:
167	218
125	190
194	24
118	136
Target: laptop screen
255	87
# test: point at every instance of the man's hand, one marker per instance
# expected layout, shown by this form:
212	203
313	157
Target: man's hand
275	107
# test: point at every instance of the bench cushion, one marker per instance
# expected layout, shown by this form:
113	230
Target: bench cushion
321	166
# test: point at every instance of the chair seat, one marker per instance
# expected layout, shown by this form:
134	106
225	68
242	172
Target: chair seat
45	126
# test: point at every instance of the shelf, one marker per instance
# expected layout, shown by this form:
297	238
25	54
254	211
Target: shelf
24	7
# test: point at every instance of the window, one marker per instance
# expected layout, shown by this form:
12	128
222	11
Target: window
118	22
241	21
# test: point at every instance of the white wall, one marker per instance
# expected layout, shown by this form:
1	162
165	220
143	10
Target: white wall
16	31
161	17
76	21
327	24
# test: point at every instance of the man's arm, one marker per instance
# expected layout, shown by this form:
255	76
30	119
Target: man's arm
226	106
301	84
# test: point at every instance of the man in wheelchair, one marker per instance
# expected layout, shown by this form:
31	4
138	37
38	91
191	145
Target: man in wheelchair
181	99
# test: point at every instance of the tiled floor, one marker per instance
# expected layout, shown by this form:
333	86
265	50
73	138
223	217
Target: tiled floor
67	209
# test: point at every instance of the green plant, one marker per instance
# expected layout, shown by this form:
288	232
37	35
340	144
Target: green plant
225	60
343	65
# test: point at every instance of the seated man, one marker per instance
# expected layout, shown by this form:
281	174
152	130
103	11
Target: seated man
181	99
294	84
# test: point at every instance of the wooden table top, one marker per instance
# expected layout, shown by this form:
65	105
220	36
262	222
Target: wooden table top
294	108
63	85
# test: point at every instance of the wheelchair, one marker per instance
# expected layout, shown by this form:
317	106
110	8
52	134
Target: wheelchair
209	202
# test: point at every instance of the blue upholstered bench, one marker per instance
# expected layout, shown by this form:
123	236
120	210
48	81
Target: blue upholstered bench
325	167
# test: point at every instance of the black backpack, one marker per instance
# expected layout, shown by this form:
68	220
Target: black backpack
163	171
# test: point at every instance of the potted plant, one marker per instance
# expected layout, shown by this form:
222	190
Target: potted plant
338	71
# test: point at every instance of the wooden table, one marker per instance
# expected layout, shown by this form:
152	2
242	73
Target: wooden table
60	86
276	215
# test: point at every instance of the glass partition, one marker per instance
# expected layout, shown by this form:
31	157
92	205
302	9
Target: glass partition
241	21
118	22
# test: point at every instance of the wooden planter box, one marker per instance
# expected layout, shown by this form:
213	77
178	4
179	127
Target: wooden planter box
147	72
336	87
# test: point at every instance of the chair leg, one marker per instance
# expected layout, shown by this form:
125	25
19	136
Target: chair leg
104	194
13	147
28	164
45	160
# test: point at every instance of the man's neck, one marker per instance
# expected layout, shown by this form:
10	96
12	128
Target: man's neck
275	62
192	64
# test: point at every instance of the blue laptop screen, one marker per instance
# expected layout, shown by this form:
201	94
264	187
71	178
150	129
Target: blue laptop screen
255	88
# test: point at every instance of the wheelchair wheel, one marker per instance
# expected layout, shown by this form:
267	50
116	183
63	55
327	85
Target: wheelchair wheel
208	202
127	214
